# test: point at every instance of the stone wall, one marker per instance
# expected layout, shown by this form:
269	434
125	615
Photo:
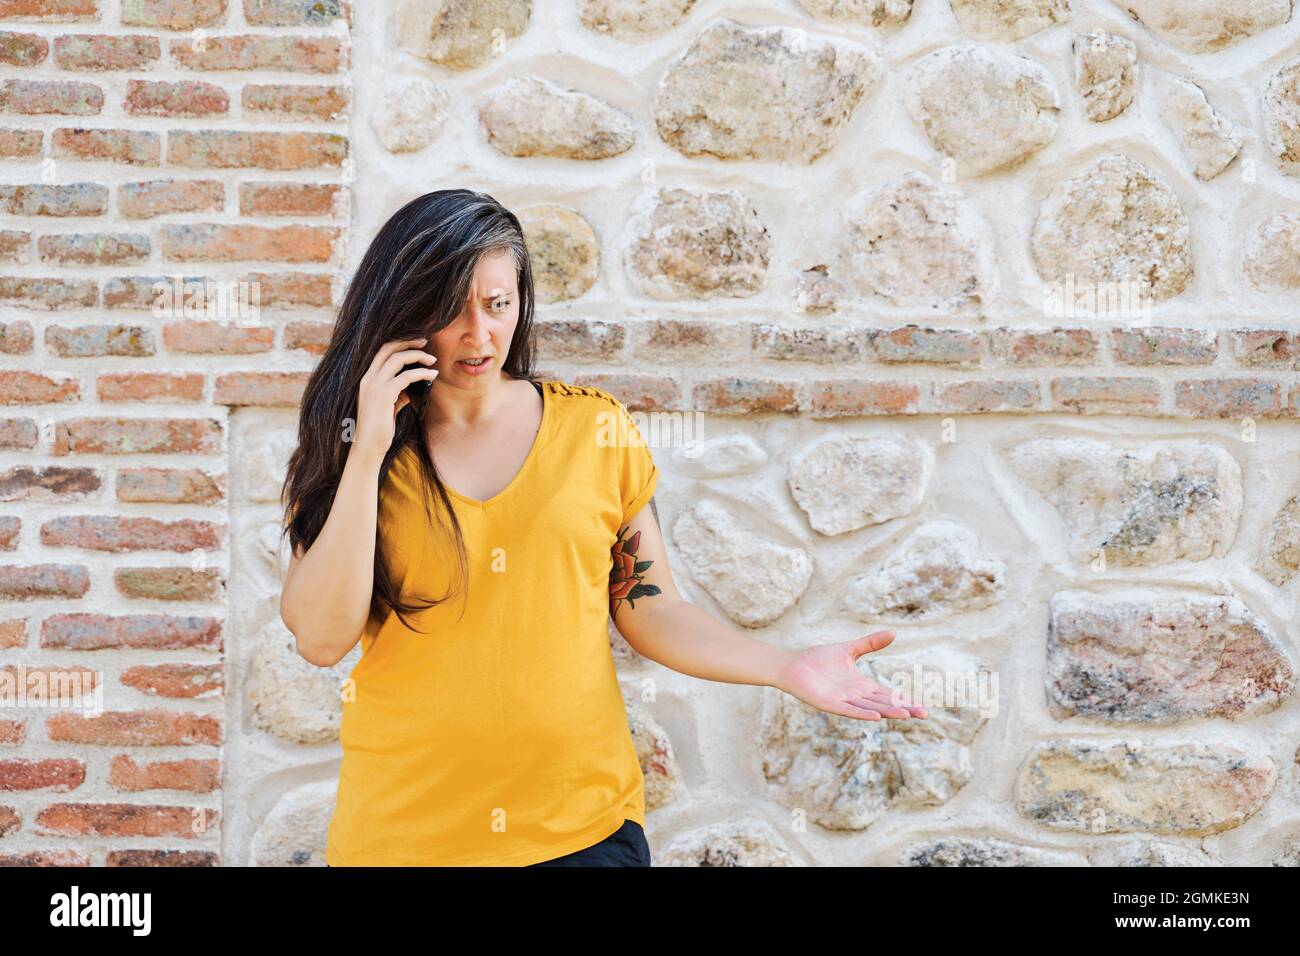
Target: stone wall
979	317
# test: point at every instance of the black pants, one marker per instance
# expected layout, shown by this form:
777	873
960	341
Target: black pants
626	846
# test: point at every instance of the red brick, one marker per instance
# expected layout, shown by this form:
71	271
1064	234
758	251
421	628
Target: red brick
10	528
54	10
50	199
22	49
151	293
175	98
293	290
641	393
60	683
1266	348
255	149
16	338
134	147
986	395
159	197
93	248
226	338
1037	347
173	485
163	387
835	399
10	821
180	680
93	632
913	344
278	389
1163	346
20	387
579	338
194	776
288	199
13	633
43	581
163	858
296	13
86	51
141	728
1096	395
1228	398
60	97
48	483
733	396
139	436
219	242
50	294
295	101
17	433
125	819
173	14
21	143
13	732
783	343
59	774
261	52
169	584
15	246
118	533
44	857
310	337
87	341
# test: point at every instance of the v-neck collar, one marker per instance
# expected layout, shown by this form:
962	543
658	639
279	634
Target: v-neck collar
547	402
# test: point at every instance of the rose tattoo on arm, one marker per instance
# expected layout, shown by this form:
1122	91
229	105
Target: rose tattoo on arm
626	576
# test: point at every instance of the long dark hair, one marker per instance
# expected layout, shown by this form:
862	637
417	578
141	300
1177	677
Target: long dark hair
412	281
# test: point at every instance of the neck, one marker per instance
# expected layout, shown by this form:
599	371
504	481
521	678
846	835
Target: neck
464	409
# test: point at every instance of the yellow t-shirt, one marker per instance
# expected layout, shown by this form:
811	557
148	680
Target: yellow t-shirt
499	737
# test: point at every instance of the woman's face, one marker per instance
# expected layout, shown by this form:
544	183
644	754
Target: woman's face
485	326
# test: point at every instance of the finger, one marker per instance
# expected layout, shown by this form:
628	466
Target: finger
413	375
395	363
892	695
894	698
388	348
862	713
402	401
883	696
885	710
871	642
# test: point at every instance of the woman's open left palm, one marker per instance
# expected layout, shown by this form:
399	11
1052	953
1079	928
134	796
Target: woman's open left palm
827	677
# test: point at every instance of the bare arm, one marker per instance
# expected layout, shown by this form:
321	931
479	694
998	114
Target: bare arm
664	627
325	599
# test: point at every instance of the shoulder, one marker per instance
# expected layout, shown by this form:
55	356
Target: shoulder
584	398
583	409
569	392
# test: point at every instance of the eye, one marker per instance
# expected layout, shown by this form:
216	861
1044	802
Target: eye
504	303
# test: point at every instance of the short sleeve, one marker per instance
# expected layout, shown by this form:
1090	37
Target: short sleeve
637	472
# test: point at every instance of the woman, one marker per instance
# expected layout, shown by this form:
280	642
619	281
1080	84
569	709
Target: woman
475	530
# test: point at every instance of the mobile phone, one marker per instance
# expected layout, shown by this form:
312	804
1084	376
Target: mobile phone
419	389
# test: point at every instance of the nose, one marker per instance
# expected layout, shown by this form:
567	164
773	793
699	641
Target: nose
477	331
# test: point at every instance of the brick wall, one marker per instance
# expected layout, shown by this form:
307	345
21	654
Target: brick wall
144	142
826	246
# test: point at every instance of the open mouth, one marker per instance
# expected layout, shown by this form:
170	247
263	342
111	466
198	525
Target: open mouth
476	362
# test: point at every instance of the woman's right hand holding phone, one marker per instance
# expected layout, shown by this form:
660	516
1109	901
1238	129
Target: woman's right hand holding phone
382	393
